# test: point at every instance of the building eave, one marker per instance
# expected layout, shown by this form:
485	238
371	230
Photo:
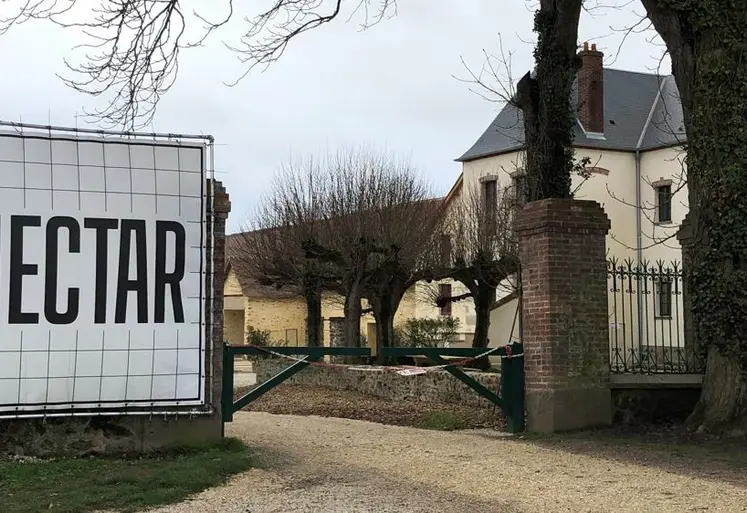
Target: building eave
479	156
454	189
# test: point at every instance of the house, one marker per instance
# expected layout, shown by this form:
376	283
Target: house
630	126
248	304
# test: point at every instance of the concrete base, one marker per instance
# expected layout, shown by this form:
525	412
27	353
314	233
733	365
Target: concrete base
79	436
552	411
160	433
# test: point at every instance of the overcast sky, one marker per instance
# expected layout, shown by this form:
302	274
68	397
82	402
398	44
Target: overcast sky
390	87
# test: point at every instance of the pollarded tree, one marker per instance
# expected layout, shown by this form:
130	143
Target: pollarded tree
270	250
137	44
707	45
403	229
359	184
379	219
476	247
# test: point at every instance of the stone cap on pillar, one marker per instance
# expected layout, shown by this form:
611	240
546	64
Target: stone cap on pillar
685	233
563	215
221	201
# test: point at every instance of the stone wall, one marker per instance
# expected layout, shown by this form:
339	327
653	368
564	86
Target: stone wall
139	433
653	405
437	386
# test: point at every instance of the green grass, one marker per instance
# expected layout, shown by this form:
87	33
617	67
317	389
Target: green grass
79	485
441	421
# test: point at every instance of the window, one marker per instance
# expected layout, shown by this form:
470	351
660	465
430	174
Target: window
664	204
664	297
491	195
444	290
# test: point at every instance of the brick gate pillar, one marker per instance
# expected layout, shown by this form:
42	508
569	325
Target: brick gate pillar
215	247
564	314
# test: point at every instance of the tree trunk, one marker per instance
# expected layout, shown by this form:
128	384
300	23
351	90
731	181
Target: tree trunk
546	103
384	308
707	46
384	328
314	318
484	299
352	327
723	401
352	311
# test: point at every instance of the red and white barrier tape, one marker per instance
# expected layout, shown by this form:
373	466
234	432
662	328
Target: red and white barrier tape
403	370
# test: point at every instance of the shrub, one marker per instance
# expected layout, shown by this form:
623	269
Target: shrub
259	338
262	338
427	332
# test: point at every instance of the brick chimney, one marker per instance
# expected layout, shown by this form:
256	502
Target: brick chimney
591	89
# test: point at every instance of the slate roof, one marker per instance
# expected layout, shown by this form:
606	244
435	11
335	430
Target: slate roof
236	261
642	112
249	286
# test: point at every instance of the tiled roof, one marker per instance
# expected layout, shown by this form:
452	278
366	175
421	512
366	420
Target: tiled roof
642	111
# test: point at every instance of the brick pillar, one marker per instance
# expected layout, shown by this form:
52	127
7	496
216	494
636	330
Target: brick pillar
564	314
216	258
685	236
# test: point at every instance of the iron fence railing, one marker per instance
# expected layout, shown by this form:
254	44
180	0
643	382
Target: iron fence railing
647	319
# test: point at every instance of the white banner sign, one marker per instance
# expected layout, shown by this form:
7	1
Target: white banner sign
101	273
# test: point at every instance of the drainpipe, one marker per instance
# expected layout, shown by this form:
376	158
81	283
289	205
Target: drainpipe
639	204
639	242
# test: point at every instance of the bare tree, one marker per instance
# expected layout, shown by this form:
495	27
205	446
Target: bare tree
271	249
379	218
542	96
404	231
359	185
476	247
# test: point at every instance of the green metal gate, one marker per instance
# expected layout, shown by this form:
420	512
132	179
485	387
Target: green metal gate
510	400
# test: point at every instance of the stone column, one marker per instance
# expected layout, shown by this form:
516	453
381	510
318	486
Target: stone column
564	314
685	236
215	242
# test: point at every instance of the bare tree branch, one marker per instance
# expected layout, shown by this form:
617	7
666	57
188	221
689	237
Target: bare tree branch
131	54
132	47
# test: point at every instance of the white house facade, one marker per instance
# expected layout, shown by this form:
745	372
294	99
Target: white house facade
630	127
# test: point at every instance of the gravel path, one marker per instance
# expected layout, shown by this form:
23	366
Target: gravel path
328	465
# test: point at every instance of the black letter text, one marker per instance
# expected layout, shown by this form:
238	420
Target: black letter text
173	278
124	284
51	271
18	270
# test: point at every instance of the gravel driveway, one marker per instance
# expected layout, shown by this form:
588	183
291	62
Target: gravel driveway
328	465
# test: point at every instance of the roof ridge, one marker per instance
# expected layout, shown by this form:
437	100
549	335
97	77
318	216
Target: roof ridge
657	98
632	72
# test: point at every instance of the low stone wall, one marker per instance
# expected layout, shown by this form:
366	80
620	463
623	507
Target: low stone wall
436	386
653	405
